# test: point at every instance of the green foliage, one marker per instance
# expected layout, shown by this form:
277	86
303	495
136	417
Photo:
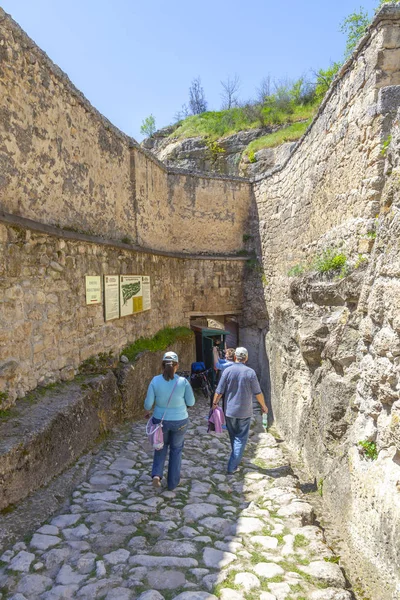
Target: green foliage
217	124
385	145
97	364
296	270
126	240
256	266
324	80
361	262
286	134
369	449
3	397
215	149
354	27
5	414
148	126
371	235
320	487
247	237
252	156
160	341
300	541
332	559
331	261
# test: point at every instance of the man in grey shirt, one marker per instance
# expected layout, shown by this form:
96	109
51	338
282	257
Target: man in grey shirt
239	384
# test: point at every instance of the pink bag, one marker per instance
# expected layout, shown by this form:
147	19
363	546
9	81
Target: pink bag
154	431
216	419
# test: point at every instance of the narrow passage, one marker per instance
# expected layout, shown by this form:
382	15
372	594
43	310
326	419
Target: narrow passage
249	536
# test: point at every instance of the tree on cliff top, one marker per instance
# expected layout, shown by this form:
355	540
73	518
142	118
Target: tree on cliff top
148	126
230	89
354	26
197	99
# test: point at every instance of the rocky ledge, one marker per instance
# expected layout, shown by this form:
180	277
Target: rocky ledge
225	156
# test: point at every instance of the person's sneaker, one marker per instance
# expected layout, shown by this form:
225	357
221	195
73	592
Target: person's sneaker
234	471
156	482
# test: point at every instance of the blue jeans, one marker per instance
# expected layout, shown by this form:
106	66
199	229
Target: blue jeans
238	430
174	433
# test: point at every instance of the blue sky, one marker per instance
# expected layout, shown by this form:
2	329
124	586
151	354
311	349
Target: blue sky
135	57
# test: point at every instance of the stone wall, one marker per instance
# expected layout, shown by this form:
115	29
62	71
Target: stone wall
62	163
65	420
333	342
65	166
46	328
180	211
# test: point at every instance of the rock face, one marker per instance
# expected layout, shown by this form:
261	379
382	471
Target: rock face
333	341
223	156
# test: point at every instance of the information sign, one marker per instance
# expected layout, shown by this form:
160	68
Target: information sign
146	292
111	297
131	299
93	289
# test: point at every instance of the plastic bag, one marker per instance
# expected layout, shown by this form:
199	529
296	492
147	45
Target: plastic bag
154	432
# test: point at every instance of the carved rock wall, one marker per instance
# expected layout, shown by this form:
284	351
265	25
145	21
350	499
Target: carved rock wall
333	341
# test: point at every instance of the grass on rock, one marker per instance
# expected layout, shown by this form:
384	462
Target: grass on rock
291	133
160	341
214	125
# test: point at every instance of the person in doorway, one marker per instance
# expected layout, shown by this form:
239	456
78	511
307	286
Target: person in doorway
239	383
216	357
228	361
170	395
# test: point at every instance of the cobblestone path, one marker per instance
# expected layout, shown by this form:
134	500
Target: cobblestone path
248	536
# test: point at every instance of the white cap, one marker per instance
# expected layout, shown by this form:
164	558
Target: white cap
171	356
241	353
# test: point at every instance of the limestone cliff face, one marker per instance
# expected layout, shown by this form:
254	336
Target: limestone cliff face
333	341
225	156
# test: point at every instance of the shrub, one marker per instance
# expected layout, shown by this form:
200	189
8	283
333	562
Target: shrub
369	449
252	156
330	261
361	262
296	270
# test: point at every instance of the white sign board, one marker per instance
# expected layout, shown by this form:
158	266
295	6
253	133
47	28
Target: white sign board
93	289
146	292
111	297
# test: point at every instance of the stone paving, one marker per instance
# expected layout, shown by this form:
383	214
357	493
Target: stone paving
247	536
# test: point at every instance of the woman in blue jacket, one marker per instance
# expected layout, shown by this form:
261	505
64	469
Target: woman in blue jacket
176	418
